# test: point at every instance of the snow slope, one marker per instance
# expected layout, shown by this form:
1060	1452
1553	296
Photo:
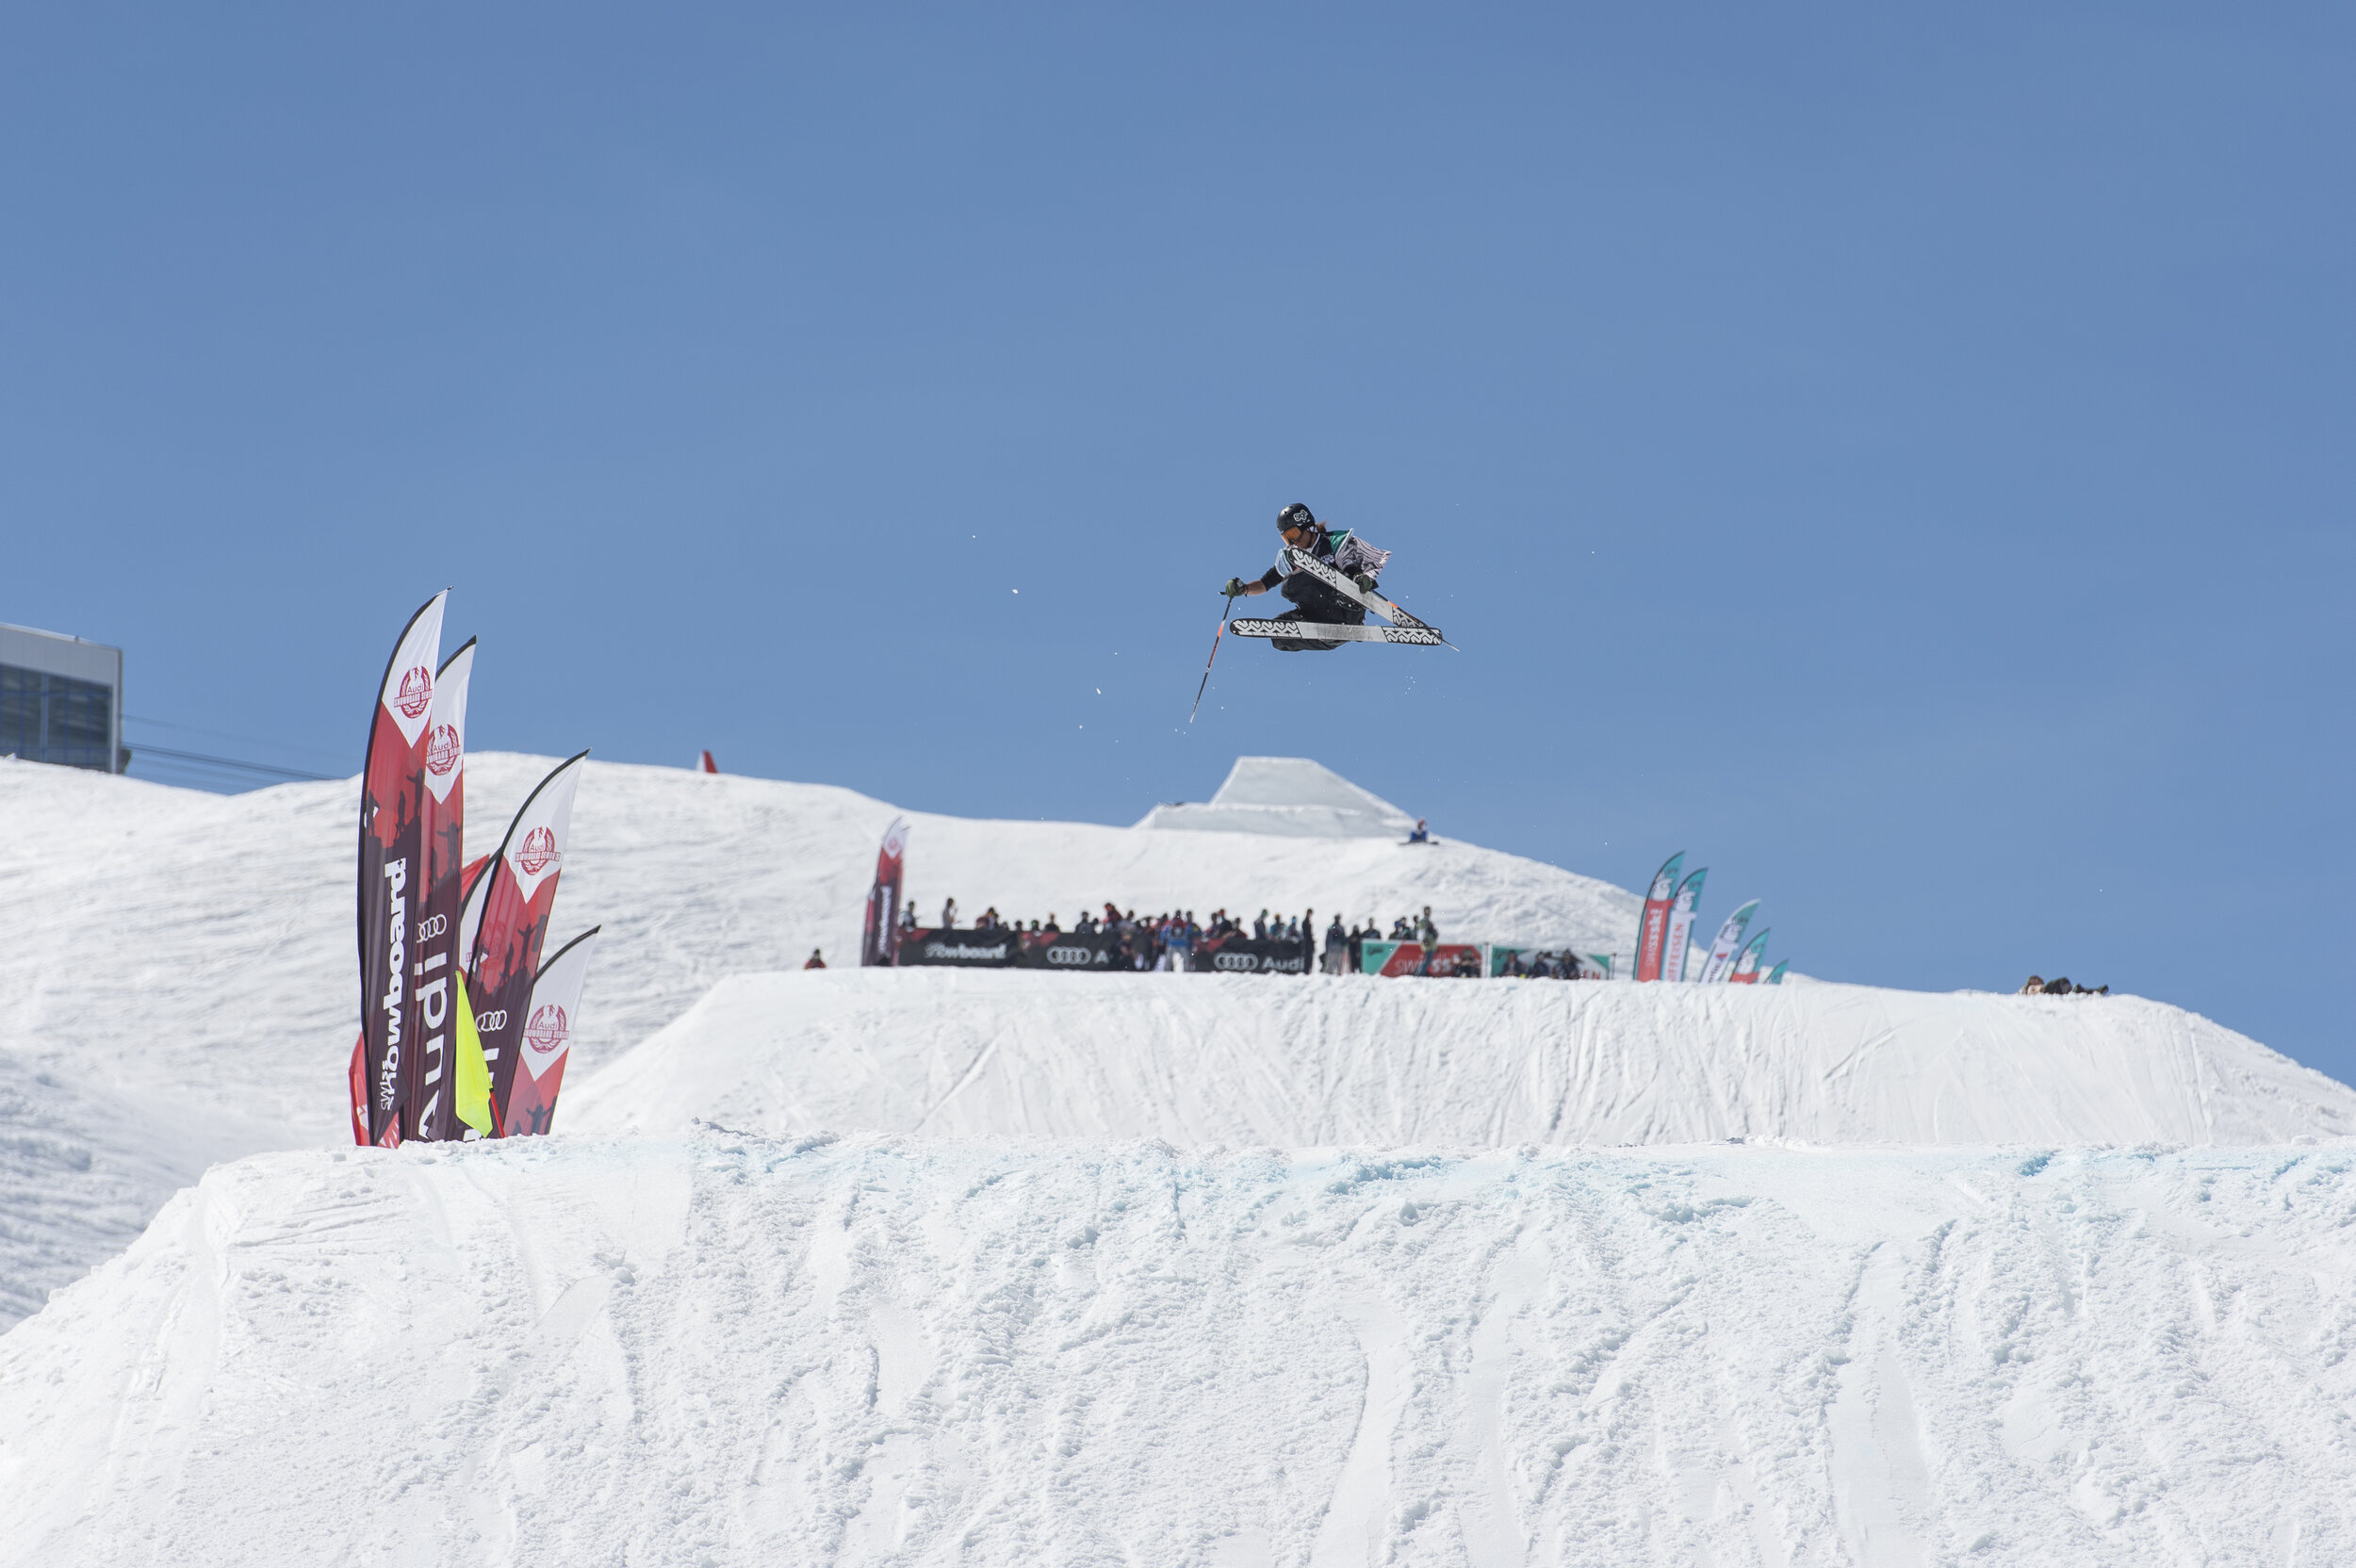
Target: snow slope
1271	1059
178	983
992	1325
731	1350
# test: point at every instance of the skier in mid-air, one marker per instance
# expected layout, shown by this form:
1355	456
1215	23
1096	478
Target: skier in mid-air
1329	575
1315	600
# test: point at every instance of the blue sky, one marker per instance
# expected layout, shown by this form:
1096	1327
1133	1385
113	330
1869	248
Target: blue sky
1902	459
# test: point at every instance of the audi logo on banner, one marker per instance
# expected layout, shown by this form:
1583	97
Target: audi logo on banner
1072	956
1236	960
492	1022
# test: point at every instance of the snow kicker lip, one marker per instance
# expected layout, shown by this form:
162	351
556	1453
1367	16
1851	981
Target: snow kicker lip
1321	631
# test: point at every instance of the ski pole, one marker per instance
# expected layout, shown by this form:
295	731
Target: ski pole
1226	602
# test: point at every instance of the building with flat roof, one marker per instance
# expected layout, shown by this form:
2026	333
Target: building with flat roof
60	701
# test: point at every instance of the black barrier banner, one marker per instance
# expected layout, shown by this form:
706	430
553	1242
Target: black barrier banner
1254	955
1097	953
962	948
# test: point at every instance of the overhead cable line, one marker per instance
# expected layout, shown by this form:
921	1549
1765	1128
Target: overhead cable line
224	735
139	751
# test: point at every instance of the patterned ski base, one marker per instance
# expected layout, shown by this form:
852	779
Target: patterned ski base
1302	561
1322	631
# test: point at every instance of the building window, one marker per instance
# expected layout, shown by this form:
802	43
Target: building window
53	718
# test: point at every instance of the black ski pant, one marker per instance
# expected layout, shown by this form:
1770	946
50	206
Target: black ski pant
1318	602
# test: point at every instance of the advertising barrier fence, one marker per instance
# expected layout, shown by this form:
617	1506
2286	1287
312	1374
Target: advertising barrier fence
1447	960
1256	955
1099	953
960	949
1106	953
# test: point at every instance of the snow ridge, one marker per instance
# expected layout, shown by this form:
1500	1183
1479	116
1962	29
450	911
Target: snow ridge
1205	1060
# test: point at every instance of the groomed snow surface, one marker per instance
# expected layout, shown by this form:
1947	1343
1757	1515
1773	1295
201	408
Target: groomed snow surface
738	1350
1253	1059
1016	1267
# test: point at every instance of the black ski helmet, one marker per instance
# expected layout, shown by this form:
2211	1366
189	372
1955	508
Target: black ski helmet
1295	515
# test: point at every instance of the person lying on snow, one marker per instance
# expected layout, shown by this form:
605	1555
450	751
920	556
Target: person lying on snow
1315	601
2037	986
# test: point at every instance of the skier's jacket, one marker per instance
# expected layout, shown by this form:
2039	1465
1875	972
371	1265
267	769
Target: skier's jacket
1339	548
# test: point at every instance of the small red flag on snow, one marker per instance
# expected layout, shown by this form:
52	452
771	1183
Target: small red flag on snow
708	765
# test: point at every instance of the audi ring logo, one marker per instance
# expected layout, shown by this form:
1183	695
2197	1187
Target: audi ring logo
492	1022
1071	956
1236	960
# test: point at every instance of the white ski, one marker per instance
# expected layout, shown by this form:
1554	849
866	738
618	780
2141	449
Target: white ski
1326	632
1302	561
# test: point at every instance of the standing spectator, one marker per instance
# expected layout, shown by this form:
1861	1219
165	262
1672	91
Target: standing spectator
948	914
907	918
1259	927
1052	928
1336	944
816	961
1425	932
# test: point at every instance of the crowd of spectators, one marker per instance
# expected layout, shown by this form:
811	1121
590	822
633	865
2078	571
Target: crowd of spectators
1177	939
1548	964
1168	940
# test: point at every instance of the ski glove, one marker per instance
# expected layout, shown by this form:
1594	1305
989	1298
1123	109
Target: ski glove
1366	584
1233	589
